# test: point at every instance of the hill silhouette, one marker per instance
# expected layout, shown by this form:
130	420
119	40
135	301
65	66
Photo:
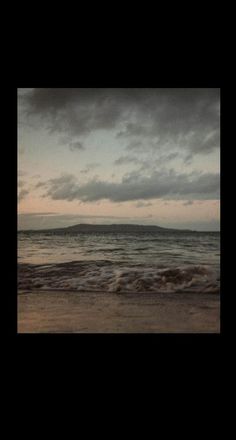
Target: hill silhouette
113	228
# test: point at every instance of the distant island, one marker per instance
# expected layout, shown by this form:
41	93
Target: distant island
113	228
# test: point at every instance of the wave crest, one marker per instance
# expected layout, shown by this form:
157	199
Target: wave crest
115	277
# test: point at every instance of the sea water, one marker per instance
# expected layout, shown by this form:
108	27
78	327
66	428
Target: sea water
120	262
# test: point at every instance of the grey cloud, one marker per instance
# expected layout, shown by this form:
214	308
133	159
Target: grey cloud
188	158
160	184
36	214
189	202
72	143
67	216
64	140
92	165
22	173
61	188
143	204
187	117
22	190
171	156
134	129
40	184
84	171
22	194
76	111
75	146
135	145
89	167
199	137
147	163
152	163
54	220
125	160
21	151
21	183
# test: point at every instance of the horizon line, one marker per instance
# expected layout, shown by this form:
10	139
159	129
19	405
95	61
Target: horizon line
117	224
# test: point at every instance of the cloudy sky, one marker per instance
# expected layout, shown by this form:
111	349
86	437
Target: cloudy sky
100	155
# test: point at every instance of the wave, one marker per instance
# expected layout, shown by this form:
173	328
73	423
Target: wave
117	277
106	250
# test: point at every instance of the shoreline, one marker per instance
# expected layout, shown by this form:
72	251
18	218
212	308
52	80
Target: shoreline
67	311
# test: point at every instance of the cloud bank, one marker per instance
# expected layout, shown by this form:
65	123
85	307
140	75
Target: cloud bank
160	184
144	118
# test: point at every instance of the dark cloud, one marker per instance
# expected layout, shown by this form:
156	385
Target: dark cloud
186	117
76	111
160	184
74	145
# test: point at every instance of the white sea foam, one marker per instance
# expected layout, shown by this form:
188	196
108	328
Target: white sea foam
120	263
120	278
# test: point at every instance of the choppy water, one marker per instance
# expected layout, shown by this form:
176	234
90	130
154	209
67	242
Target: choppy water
156	262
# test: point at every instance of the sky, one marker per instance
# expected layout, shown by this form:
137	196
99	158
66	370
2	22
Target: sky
121	155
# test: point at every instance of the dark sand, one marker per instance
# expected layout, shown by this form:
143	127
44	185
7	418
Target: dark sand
83	312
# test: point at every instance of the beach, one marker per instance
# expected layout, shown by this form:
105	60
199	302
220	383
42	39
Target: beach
118	210
119	282
96	312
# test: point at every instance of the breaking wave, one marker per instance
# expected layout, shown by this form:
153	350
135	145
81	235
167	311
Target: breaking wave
117	277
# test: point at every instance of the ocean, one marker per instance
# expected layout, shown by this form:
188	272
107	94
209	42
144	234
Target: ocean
143	262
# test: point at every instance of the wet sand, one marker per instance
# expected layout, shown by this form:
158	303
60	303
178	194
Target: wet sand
91	312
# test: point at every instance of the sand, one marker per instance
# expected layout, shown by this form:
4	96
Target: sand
83	312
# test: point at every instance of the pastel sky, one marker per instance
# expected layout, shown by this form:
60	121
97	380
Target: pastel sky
100	155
